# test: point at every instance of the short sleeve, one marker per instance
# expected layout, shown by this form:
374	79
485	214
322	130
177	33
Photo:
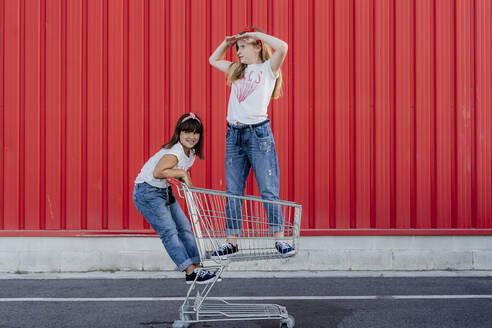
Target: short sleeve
175	150
269	70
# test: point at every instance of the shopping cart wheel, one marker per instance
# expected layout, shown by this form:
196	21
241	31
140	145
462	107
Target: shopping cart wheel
288	323
180	324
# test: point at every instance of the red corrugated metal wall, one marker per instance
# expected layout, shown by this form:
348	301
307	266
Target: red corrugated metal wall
385	122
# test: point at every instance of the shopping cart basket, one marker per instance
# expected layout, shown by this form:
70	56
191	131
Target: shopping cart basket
213	213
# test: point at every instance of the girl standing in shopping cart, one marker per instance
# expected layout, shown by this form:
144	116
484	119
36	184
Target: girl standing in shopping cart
154	199
255	79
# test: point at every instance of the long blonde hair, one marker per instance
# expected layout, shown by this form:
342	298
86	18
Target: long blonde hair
236	70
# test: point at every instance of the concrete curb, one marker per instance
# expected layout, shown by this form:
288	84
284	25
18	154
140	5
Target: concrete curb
316	254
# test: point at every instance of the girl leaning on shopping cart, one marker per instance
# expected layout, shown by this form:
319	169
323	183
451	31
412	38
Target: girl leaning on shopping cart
255	79
154	199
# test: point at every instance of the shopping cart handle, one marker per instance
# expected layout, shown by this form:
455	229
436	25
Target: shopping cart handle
174	181
180	186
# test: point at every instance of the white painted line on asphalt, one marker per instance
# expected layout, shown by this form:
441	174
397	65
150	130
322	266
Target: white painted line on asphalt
244	298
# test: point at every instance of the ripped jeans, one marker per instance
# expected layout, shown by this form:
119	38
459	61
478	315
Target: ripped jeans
252	146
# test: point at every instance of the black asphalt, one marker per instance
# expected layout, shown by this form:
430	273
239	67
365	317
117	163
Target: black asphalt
380	313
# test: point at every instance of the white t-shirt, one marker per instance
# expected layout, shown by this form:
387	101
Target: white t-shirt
250	96
147	172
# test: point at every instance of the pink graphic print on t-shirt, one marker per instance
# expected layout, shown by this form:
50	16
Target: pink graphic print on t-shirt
247	85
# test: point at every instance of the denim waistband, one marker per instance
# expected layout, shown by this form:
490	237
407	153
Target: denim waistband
148	185
248	126
165	193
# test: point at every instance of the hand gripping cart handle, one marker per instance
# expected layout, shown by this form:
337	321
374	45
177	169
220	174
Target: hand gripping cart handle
256	223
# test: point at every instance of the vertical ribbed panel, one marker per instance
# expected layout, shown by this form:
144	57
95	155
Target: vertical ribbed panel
385	120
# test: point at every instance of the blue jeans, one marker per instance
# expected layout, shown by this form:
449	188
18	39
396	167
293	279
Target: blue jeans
163	213
252	146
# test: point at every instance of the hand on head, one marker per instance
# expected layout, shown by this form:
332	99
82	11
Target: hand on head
231	40
248	37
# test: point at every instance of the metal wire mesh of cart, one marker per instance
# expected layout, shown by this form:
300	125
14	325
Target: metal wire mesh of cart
252	220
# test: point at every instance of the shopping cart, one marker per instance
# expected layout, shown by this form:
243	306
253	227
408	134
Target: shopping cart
210	212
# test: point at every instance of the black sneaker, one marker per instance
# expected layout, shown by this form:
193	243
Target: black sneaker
284	248
226	249
202	277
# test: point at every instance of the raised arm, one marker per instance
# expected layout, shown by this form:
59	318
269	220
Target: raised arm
217	58
278	45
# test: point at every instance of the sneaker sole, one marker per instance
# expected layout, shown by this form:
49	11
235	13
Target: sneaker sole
292	252
203	282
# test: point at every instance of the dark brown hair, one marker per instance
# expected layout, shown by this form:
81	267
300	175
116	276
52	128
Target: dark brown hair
191	124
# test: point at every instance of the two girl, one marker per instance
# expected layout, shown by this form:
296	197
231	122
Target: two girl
255	79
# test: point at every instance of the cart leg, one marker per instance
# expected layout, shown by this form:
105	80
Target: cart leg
288	323
182	321
180	324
